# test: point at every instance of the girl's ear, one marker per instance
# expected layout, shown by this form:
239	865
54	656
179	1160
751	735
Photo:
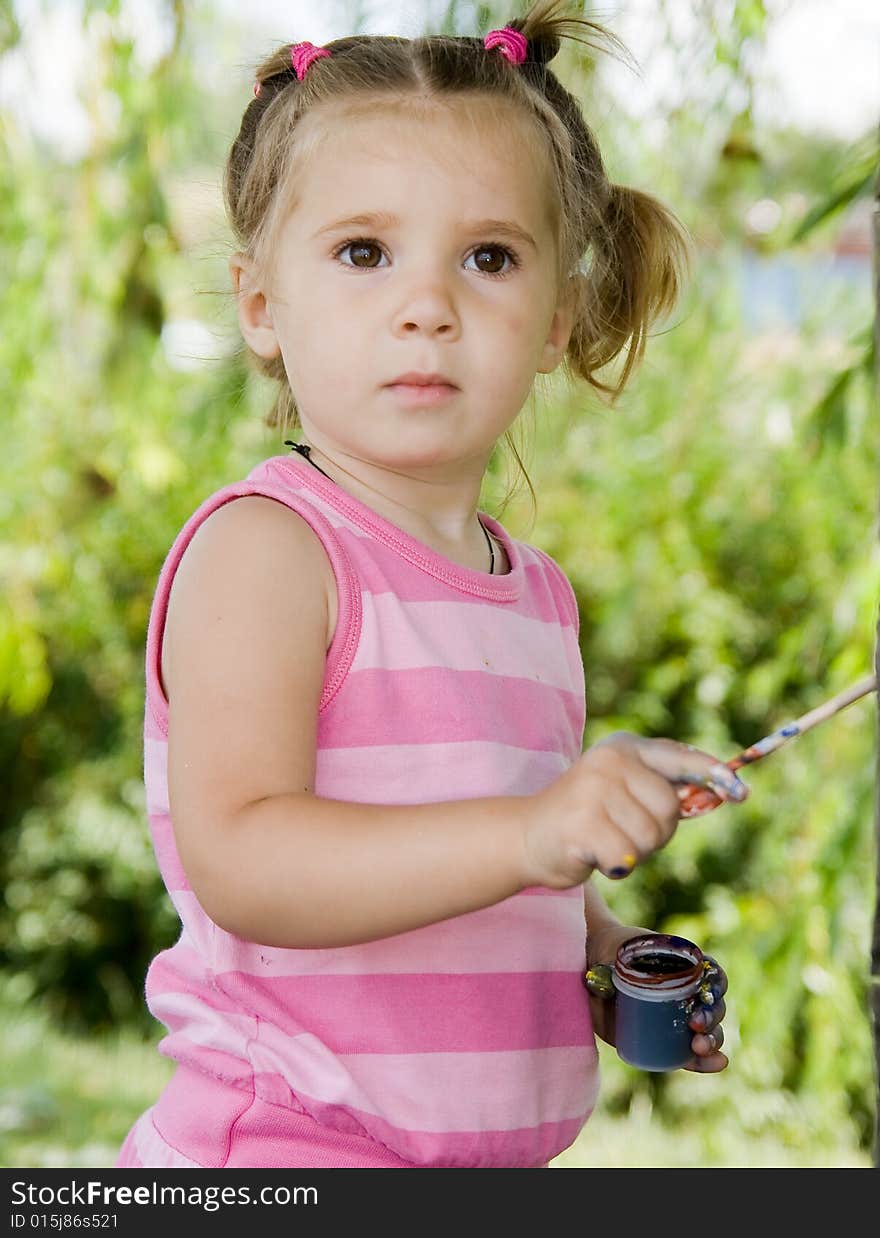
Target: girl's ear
254	313
560	331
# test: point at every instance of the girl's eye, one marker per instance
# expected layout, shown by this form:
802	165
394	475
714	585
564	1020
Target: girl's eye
364	254
490	259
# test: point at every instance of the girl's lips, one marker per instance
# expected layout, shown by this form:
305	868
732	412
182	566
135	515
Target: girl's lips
420	394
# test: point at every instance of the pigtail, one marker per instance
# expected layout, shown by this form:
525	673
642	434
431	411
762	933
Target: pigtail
637	251
548	22
638	262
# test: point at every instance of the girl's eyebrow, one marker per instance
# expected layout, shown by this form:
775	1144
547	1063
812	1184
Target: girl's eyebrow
383	219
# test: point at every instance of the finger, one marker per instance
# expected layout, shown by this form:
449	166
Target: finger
707	1065
685	764
611	851
705	1018
705	1044
718	782
714	974
597	980
656	794
634	820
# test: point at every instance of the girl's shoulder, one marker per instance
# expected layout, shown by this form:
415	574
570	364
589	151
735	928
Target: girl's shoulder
247	553
557	579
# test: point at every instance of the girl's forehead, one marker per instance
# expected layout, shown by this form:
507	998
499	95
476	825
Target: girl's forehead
484	137
464	123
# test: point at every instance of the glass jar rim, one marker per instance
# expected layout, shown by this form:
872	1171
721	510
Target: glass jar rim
629	977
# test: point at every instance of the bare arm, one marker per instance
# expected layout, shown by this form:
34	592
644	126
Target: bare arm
604	931
597	914
330	873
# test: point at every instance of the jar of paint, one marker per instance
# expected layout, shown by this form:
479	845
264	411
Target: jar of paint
657	980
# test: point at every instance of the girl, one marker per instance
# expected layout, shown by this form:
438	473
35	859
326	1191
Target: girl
365	700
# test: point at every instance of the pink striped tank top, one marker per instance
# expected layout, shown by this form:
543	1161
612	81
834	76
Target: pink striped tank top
463	1043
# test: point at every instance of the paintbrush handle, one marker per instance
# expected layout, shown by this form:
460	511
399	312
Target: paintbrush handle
821	712
697	800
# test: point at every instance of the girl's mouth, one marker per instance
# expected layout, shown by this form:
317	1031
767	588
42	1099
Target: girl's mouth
422	394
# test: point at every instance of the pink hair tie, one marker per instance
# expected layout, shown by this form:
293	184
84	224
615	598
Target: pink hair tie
303	54
509	42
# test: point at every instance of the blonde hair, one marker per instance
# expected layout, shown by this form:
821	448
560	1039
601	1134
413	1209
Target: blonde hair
624	250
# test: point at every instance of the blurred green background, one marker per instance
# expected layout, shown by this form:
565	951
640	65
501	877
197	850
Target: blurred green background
718	525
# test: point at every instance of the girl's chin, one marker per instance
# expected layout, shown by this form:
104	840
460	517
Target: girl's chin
440	463
408	441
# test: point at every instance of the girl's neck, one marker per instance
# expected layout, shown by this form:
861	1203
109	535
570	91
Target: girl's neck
442	514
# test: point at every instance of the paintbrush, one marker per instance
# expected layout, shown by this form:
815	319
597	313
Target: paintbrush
697	798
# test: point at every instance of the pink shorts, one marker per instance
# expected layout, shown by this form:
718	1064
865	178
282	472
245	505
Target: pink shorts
200	1122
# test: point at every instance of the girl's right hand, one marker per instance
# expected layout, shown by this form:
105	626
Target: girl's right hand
614	807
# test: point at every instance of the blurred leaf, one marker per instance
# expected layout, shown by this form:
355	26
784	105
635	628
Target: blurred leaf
827	422
856	180
10	28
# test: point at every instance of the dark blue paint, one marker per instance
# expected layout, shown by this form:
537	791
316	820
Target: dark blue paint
653	1035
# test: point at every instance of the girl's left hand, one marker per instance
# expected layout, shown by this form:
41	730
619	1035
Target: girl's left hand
705	1022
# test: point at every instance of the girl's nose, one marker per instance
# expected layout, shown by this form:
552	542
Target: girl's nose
428	308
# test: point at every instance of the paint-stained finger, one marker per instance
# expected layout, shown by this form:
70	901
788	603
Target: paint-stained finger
706	1017
705	1044
707	1065
714	974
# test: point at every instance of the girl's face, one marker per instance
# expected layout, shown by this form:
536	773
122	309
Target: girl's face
420	242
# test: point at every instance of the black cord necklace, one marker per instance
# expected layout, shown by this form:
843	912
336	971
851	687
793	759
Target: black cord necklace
491	547
305	451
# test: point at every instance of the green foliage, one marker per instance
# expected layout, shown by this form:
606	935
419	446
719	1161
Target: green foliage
68	1099
855	178
717	524
99	472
